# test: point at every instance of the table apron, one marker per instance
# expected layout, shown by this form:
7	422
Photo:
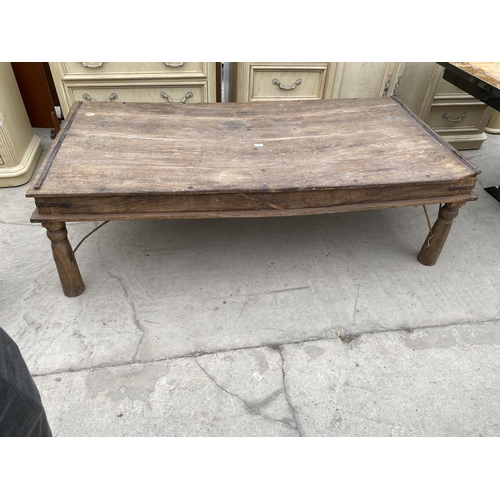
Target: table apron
458	198
342	199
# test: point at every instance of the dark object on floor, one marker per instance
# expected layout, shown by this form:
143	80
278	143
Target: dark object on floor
21	410
494	191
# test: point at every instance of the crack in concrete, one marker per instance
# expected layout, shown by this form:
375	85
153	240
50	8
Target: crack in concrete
262	294
351	337
283	374
356	303
68	326
135	319
473	156
247	406
242	309
15	223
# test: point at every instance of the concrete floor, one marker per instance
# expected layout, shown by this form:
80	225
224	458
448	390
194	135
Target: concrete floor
312	326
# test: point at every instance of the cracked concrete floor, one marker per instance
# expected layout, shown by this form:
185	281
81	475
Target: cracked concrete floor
296	326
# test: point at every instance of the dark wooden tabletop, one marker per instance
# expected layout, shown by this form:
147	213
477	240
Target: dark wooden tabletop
479	79
134	148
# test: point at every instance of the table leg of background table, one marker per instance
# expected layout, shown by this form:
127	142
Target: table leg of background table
69	274
436	239
493	191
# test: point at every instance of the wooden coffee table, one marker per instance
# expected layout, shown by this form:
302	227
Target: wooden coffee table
124	161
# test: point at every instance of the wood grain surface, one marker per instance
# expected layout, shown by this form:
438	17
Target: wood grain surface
159	149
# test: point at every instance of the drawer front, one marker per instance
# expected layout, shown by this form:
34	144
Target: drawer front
286	83
179	93
115	69
447	88
446	116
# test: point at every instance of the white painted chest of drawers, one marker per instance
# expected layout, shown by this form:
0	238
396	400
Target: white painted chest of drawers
179	82
456	116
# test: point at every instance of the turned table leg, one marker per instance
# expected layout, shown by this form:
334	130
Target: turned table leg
69	274
436	239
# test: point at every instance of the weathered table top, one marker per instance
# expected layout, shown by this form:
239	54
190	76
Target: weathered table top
231	147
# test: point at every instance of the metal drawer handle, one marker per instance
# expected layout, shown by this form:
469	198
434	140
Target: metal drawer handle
183	100
92	64
111	97
277	82
447	116
387	85
174	64
397	89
